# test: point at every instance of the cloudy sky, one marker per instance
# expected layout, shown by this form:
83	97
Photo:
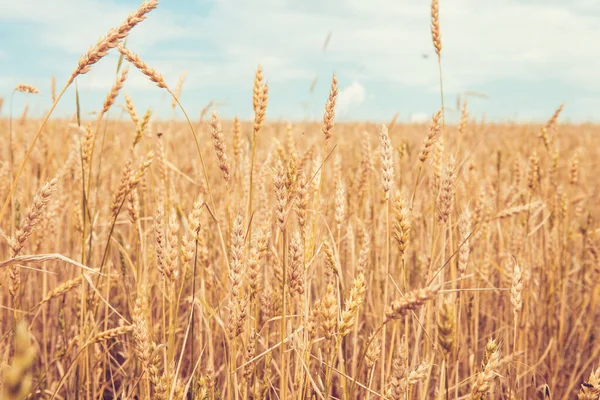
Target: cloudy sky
526	56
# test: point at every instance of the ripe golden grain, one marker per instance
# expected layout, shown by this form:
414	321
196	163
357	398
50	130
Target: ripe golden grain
283	271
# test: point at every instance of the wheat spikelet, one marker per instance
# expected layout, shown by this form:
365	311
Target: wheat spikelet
237	138
401	227
446	327
141	128
187	250
533	176
111	334
33	216
574	170
194	218
517	172
290	143
257	88
281	194
395	387
434	130
160	240
291	173
254	271
302	201
550	124
296	265
88	145
26	88
178	88
464	228
590	390
137	176
411	301
122	189
552	121
357	296
112	38
329	115
250	352
373	351
340	203
260	110
485	378
262	240
553	168
62	289
114	91
562	200
329	312
387	161
131	110
363	256
237	250
446	196
516	210
143	67
464	118
172	248
366	165
435	27
401	379
237	315
133	207
313	320
516	289
143	346
219	143
329	260
52	89
418	374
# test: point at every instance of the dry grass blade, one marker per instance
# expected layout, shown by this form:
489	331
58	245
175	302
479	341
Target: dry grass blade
40	258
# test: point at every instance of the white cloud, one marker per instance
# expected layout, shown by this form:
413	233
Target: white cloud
374	44
419	117
71	26
380	40
384	39
350	97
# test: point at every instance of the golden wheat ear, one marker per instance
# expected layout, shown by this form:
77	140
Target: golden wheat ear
112	39
26	88
329	115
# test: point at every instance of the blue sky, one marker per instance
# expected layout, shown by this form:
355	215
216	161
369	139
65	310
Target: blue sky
527	56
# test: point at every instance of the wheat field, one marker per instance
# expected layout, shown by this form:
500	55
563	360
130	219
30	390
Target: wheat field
144	258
